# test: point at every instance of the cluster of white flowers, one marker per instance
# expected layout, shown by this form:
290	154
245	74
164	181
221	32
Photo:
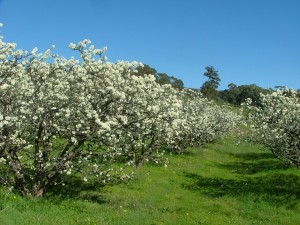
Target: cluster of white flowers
276	124
65	115
201	121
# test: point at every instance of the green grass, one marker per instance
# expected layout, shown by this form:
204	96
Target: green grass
221	183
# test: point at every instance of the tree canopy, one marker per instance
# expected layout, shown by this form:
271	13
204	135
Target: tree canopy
161	78
209	87
237	94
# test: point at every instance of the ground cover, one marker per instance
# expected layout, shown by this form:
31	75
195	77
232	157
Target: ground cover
220	183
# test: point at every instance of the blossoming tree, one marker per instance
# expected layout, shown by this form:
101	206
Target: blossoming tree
276	124
62	116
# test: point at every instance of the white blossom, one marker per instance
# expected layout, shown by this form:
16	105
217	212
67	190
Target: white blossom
86	113
72	46
276	124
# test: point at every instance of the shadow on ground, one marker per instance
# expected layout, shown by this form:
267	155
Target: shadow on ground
76	188
253	168
273	185
252	163
252	155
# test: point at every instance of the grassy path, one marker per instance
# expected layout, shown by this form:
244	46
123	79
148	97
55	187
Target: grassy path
221	183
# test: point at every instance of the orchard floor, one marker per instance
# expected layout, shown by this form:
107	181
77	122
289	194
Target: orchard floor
220	183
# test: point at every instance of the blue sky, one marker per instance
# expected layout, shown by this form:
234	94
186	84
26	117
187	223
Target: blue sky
247	41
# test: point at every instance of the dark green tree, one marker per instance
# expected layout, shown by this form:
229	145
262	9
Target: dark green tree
230	95
145	70
164	78
209	87
231	86
176	83
161	78
237	94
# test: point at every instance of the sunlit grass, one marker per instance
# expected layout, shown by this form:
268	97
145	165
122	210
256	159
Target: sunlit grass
221	183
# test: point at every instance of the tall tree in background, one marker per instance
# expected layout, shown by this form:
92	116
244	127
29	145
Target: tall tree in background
209	87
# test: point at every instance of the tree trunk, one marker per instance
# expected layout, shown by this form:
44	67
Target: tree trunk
140	163
38	193
14	163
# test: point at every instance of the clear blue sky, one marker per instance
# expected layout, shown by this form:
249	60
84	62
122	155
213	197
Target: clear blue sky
247	41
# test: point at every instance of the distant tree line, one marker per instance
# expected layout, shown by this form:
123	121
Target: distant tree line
161	78
237	94
234	94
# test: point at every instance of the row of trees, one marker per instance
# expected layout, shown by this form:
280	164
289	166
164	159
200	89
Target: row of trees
276	123
90	118
273	116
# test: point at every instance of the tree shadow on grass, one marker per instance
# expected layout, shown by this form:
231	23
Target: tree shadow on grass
249	168
252	163
276	188
76	188
272	185
252	155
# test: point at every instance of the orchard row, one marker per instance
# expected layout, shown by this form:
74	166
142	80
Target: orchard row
60	117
